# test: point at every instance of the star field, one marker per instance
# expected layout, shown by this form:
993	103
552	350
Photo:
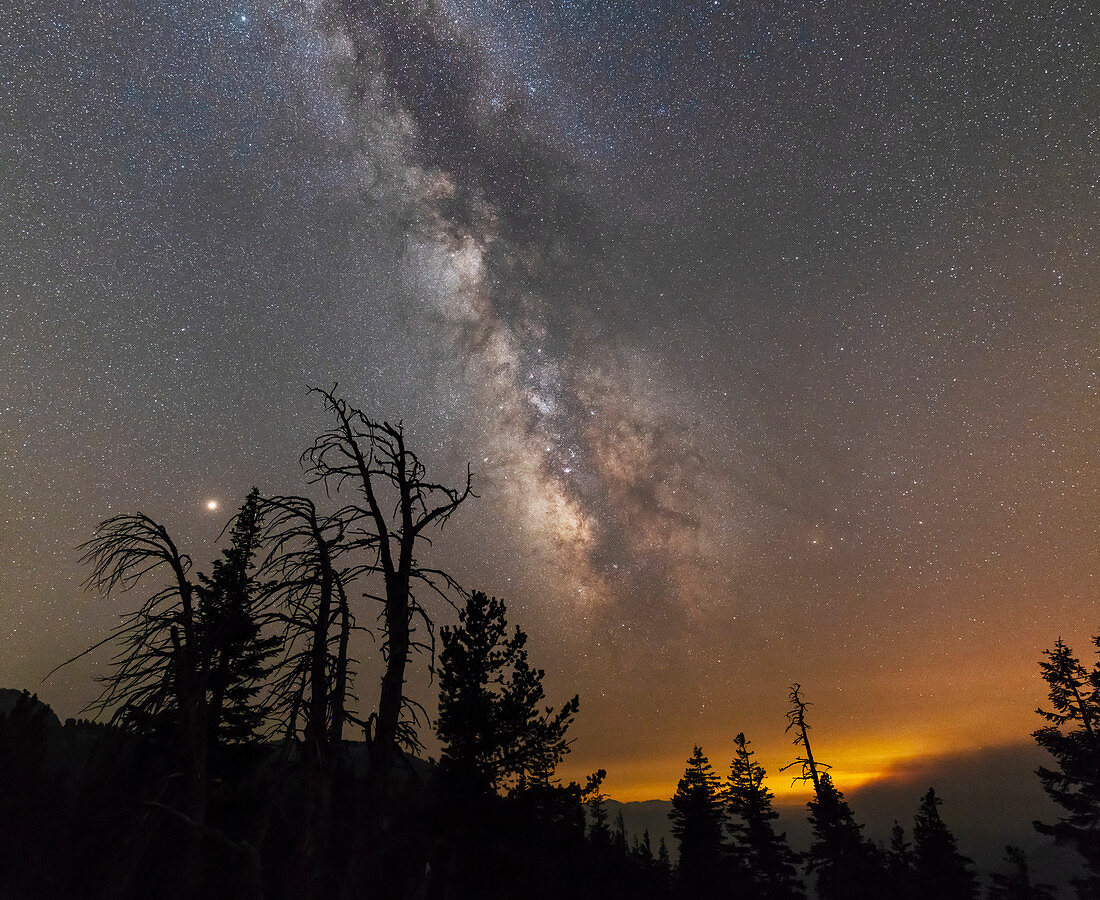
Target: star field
771	332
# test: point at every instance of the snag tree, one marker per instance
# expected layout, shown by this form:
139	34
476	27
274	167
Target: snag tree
395	508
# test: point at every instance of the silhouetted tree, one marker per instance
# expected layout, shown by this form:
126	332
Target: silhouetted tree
154	683
697	818
810	769
307	576
664	862
188	664
644	849
598	832
157	684
495	732
844	862
1016	883
397	506
770	864
238	655
1073	739
192	657
941	871
901	865
619	835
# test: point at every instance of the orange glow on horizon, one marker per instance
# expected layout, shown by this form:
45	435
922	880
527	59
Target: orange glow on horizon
852	768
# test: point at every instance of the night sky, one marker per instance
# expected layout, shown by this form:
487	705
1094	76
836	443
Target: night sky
771	331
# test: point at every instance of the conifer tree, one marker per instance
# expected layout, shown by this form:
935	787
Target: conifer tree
843	860
1072	737
237	655
901	865
619	835
1016	883
768	861
598	832
941	871
664	861
495	732
697	820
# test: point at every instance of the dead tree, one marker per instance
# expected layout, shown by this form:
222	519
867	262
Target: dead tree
157	685
796	716
187	661
307	574
395	506
844	863
306	585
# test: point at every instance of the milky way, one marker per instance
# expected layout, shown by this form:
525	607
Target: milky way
771	331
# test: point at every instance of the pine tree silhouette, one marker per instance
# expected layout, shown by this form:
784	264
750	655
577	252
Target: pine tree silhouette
941	871
495	733
769	864
237	655
697	822
645	850
843	860
598	832
618	836
901	865
664	861
1073	739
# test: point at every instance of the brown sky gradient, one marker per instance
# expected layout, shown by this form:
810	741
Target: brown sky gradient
775	348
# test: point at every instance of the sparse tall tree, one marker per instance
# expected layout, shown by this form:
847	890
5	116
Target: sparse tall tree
1072	737
395	509
307	573
941	871
644	853
495	732
769	862
697	819
810	769
844	862
664	862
